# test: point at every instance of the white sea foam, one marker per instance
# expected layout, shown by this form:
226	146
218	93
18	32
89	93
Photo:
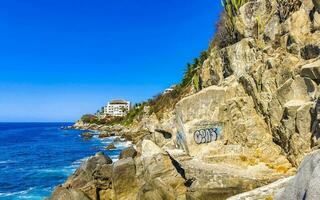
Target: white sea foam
114	158
74	165
6	161
8	194
52	171
122	145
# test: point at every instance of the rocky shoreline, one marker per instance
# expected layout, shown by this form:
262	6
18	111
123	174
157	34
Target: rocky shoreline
148	171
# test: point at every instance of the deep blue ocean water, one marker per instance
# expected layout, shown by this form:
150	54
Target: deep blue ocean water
36	157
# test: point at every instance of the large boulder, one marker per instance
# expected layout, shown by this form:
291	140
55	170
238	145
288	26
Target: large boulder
198	111
124	179
161	173
305	185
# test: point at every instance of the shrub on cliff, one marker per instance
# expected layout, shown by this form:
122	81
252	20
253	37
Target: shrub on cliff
226	33
134	113
88	118
193	69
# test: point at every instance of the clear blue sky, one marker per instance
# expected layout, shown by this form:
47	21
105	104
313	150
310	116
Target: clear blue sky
60	59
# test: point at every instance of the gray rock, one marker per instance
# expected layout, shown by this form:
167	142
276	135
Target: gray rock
305	184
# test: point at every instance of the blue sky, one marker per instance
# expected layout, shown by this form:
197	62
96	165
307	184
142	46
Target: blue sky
60	59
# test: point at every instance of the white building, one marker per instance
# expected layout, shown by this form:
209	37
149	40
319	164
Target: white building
169	89
117	108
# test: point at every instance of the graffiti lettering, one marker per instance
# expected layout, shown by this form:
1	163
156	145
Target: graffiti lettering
208	135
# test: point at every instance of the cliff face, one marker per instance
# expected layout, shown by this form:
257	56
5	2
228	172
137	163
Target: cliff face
270	79
253	115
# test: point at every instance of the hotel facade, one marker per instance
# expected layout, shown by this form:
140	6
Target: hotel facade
117	108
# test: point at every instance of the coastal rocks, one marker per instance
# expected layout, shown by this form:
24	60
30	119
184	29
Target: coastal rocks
93	176
110	147
129	152
153	175
87	135
80	125
305	185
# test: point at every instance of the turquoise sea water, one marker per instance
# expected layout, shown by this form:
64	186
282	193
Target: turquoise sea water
36	157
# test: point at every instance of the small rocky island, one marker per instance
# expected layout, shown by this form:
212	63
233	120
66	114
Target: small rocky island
243	124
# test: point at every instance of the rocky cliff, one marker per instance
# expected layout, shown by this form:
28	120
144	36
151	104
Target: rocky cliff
251	115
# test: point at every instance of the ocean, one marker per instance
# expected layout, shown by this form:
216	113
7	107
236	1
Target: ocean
36	157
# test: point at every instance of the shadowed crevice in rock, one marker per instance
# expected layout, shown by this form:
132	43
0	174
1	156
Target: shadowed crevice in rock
166	134
178	167
181	171
310	52
227	71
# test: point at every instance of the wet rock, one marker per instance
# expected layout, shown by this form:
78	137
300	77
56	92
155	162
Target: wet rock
111	147
87	135
129	152
104	134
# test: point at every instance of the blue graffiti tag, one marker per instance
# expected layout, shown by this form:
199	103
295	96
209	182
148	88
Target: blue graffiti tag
208	135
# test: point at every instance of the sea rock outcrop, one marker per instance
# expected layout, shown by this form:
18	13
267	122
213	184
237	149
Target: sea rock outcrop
87	135
111	146
93	177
